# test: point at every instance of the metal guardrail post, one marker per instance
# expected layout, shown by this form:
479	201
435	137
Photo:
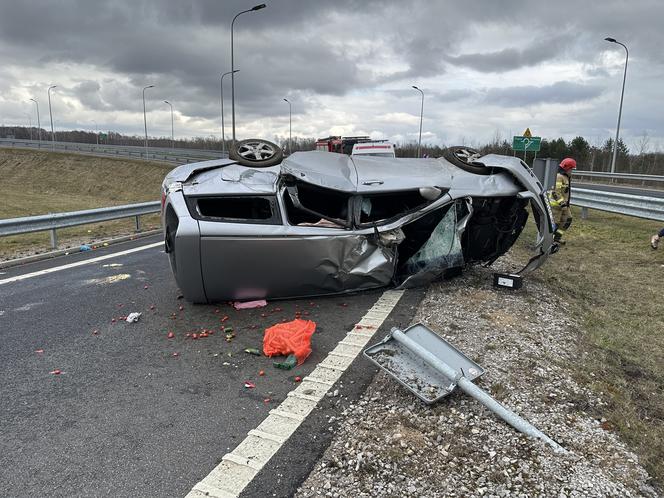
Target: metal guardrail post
138	223
54	239
584	213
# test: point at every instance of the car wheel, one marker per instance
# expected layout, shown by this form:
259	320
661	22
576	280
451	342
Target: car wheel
256	153
466	159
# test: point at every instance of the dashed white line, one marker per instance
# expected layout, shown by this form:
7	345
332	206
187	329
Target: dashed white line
239	467
18	278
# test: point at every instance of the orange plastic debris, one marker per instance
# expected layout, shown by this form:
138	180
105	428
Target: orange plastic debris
289	338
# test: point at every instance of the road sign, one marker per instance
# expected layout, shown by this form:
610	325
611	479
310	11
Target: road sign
526	144
527	133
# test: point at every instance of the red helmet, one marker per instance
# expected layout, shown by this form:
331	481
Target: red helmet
568	163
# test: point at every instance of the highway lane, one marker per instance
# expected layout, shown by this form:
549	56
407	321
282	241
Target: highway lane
126	417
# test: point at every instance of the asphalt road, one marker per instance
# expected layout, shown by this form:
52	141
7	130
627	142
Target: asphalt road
125	417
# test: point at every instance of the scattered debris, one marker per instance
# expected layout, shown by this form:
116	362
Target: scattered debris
133	317
95	332
84	248
175	354
39	351
261	373
249	385
290	362
56	372
170	335
298	378
239	305
253	351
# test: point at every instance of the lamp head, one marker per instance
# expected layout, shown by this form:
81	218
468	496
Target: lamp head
609	39
259	7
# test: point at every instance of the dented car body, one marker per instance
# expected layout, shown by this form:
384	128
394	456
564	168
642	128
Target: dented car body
324	223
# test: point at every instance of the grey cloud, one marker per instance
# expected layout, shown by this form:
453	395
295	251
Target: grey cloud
562	92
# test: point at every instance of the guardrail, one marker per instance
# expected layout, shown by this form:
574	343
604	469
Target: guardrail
651	208
171	155
52	222
619	176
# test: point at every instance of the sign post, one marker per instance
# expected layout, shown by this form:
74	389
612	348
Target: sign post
526	143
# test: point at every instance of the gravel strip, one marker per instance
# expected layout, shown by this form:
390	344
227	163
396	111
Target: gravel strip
390	444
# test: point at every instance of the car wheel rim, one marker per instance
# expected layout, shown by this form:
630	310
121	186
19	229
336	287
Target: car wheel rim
466	155
256	151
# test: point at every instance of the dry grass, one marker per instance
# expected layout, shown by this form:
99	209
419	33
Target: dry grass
615	283
48	182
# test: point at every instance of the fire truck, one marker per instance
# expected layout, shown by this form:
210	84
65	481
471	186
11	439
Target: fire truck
362	145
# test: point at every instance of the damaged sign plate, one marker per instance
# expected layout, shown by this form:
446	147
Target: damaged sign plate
413	372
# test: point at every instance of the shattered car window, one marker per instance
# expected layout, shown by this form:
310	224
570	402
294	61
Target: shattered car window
310	205
383	207
441	251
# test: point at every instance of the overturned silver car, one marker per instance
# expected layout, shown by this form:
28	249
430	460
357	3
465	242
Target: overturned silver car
324	223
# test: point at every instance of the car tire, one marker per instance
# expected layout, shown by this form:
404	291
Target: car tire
466	159
256	153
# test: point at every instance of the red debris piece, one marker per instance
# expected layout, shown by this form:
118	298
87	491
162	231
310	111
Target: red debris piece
225	318
56	372
120	305
263	315
266	400
343	305
298	379
203	334
176	354
188	334
95	332
194	336
112	320
249	385
145	286
211	332
170	335
311	303
292	337
217	310
181	307
39	351
261	373
152	306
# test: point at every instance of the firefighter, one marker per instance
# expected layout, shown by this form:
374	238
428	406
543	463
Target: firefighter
559	198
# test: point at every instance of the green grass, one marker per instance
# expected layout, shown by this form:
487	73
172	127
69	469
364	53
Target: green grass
49	182
614	282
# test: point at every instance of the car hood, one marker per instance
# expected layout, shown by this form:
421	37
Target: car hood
367	174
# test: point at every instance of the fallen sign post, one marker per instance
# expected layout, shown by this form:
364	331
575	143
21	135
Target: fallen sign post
431	368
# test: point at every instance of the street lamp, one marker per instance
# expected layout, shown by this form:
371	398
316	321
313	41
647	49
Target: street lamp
419	142
51	113
290	127
221	88
38	120
172	134
622	94
145	121
29	123
254	8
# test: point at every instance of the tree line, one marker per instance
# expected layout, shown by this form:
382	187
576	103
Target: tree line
593	157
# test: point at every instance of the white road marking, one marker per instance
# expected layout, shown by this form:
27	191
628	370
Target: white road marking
239	467
78	263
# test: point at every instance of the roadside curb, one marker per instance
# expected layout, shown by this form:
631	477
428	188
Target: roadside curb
73	250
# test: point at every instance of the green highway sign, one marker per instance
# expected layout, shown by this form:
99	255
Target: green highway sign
529	144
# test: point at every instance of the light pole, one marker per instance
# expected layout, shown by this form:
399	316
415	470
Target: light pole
419	142
51	114
221	91
29	123
254	8
38	121
96	131
145	120
290	127
172	134
622	94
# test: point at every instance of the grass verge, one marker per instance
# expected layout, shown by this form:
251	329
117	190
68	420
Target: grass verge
614	282
49	182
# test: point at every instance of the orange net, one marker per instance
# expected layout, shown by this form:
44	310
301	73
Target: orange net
289	338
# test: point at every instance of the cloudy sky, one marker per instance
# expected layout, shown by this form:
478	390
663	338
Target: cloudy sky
487	68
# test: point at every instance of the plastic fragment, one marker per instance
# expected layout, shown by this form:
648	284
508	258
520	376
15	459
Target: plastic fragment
175	354
239	305
249	385
39	351
84	248
56	372
261	373
194	336
133	317
145	286
298	379
253	351
170	335
95	332
266	400
181	307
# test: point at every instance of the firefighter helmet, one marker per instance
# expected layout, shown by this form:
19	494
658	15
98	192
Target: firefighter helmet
568	163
